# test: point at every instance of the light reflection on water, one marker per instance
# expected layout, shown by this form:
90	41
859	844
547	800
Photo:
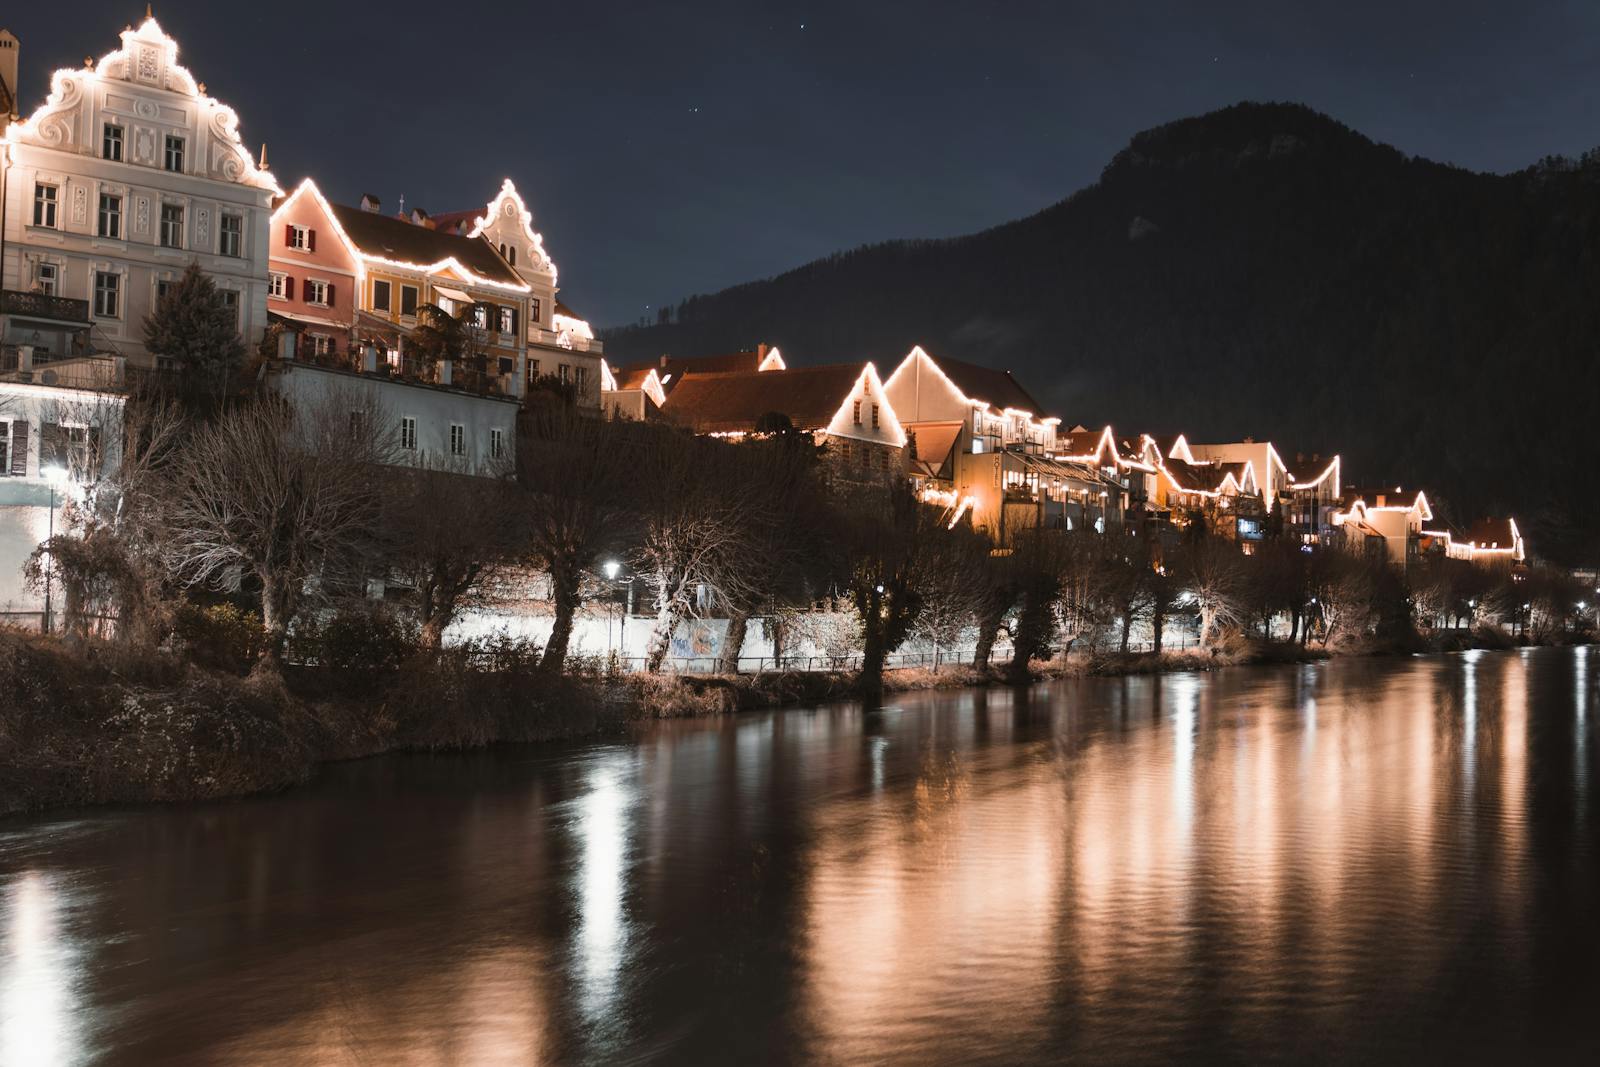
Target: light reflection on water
1387	859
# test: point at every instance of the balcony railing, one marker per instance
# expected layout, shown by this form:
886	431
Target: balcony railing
41	306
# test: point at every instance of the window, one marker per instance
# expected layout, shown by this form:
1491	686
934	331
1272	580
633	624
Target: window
110	215
300	238
321	344
533	368
232	236
318	292
107	290
508	320
533	310
5	449
111	142
408	433
163	287
497	443
566	373
874	416
507	364
171	226
174	155
47	276
458	439
856	412
480	316
408	300
44	205
512	256
278	286
577	377
380	296
230	300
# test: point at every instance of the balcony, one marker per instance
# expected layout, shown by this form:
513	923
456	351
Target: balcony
44	308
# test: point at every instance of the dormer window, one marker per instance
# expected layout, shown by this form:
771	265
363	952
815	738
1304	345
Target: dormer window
300	238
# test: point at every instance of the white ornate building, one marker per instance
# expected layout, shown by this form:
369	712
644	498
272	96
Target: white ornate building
123	176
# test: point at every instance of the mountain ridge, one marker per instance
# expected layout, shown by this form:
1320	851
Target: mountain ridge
1263	270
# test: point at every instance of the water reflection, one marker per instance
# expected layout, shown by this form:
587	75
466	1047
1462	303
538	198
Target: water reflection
1364	859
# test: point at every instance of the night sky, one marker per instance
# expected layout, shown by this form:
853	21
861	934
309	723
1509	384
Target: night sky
674	148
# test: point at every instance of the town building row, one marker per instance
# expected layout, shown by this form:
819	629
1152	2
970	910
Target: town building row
975	441
129	171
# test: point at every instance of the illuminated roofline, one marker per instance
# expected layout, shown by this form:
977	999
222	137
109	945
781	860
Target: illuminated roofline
508	191
364	258
842	423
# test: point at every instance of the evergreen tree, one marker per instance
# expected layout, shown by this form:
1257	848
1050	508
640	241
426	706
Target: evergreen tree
194	328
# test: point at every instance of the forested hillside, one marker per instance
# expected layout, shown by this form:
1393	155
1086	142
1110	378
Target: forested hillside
1259	270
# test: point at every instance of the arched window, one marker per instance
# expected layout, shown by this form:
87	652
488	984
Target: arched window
513	257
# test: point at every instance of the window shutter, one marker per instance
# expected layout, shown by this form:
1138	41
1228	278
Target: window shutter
311	240
19	449
288	236
288	288
330	294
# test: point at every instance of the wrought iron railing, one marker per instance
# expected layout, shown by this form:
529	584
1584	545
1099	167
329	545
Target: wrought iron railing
41	306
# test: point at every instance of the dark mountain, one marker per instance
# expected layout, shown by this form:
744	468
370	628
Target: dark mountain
1260	270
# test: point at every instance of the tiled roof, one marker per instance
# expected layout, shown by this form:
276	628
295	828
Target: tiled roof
679	366
1193	478
935	440
631	378
1492	533
732	403
997	388
392	238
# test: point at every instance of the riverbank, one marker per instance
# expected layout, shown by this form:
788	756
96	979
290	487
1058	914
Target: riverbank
102	724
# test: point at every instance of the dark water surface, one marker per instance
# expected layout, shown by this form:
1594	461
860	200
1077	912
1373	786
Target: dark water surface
1364	860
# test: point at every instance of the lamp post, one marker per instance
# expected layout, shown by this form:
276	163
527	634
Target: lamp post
54	474
611	568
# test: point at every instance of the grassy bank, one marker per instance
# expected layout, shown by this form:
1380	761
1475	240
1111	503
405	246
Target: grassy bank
102	724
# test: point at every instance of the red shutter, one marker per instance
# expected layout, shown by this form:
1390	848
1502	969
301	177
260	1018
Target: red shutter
288	237
19	449
288	288
330	294
311	240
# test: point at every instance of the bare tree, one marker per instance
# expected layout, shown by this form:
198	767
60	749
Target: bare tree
575	473
446	532
104	556
887	547
952	586
280	496
706	512
1214	573
786	536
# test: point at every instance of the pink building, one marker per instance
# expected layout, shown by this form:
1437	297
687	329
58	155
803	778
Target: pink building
312	273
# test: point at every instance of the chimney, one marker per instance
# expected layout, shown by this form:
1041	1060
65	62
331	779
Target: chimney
761	352
286	344
9	49
664	358
446	372
371	204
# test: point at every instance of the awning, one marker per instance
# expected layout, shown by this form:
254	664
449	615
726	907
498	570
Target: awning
453	294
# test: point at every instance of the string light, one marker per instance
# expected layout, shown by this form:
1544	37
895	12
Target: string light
68	81
508	191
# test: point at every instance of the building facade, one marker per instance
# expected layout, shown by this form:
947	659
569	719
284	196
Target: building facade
126	174
561	345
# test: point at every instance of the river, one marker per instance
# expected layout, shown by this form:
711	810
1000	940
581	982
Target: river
1379	860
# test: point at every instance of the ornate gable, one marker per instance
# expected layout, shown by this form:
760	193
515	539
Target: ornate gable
508	220
143	83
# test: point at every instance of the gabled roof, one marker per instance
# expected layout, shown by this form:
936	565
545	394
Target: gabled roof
1493	533
935	442
673	368
997	388
732	403
397	241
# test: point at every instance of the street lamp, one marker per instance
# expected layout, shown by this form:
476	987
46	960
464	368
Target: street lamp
54	474
611	568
